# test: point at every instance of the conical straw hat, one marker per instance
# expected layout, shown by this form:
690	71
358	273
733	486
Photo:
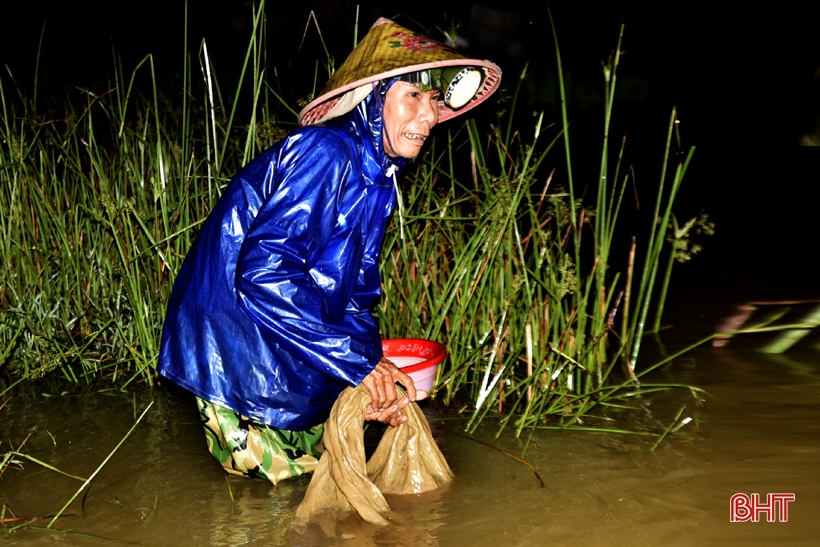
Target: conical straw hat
389	50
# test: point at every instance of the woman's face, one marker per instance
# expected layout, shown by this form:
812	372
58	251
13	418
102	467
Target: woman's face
409	115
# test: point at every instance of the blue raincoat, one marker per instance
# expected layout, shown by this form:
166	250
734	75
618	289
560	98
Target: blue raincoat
270	313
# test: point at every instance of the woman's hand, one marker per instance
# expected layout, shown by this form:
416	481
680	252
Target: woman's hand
381	383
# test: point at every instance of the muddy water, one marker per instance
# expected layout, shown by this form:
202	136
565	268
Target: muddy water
757	430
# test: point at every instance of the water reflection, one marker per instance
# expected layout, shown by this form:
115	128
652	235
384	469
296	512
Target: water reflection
755	432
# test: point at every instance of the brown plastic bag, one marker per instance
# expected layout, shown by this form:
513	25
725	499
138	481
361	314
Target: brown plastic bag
407	461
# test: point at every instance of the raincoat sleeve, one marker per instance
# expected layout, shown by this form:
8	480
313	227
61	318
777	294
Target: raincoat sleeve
300	259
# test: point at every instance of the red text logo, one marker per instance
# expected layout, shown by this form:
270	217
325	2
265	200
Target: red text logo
743	508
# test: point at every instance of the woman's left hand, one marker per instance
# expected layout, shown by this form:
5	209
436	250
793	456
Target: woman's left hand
381	383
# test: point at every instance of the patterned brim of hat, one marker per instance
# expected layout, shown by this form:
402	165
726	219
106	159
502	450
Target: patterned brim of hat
388	51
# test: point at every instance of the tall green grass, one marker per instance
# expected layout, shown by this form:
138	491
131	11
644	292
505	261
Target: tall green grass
493	256
513	272
99	207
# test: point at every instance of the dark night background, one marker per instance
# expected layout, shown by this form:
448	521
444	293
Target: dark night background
746	82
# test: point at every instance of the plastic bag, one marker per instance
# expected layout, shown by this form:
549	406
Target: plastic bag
407	461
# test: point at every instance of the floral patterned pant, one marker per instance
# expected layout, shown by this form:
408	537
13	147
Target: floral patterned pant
244	446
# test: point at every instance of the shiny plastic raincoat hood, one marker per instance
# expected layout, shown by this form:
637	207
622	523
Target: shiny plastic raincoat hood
270	313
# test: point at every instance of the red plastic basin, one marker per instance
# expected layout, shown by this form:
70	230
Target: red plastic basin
416	357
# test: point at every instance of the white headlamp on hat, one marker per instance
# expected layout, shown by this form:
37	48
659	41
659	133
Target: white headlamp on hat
458	85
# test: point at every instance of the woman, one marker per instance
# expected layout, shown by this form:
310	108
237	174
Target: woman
269	319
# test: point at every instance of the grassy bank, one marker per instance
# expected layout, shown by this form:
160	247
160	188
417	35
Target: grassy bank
497	251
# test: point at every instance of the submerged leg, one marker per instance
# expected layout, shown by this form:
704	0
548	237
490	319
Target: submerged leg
244	446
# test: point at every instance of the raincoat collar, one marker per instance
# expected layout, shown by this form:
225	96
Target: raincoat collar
367	120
